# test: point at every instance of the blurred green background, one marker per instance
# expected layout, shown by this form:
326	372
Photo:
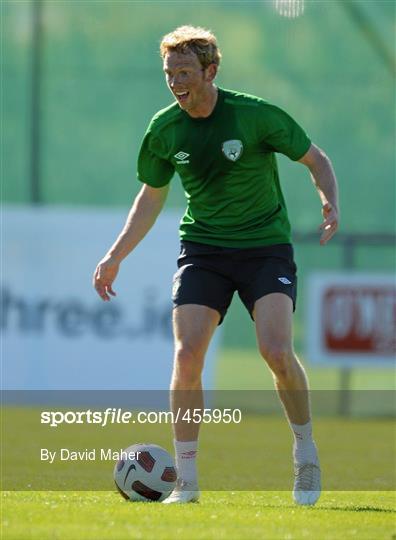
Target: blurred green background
101	80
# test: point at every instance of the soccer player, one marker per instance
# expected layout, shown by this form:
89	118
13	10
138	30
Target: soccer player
235	236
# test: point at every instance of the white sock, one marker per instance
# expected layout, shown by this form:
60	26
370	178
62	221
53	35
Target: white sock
304	449
186	460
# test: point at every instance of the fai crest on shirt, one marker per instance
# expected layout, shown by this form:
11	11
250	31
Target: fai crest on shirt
232	149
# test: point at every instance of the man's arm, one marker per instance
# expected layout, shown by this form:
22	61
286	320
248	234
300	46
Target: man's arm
145	209
324	179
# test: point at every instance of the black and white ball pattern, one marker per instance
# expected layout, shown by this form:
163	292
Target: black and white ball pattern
150	477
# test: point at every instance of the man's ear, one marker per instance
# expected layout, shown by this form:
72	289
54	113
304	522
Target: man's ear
211	72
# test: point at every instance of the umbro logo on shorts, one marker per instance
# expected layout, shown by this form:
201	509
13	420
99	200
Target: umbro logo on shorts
284	280
182	158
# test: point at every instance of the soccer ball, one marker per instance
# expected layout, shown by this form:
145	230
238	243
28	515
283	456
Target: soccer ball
145	472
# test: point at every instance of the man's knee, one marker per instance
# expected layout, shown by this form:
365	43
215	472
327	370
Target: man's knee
280	359
188	365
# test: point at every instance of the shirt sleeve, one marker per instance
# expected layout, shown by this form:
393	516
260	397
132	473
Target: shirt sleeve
279	132
153	167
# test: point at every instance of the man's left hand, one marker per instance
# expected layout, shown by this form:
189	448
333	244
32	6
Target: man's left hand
330	223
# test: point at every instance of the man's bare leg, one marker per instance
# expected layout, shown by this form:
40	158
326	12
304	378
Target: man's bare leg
273	317
193	328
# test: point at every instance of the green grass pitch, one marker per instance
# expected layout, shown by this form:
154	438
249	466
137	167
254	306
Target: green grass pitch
219	515
364	450
103	515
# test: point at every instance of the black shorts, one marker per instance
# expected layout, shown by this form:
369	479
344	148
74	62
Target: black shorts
209	275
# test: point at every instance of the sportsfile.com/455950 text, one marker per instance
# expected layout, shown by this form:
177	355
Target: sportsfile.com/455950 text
118	416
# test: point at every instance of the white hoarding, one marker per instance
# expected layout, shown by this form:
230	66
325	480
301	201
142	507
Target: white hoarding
351	319
56	332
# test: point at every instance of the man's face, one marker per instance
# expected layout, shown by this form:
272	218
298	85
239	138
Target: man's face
186	79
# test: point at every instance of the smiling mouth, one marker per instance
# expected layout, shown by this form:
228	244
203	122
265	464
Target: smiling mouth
182	96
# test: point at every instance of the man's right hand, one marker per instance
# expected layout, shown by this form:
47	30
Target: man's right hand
103	278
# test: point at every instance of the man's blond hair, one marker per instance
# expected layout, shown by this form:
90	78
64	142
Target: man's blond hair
194	39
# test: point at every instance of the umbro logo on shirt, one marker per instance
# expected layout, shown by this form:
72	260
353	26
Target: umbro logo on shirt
284	280
182	158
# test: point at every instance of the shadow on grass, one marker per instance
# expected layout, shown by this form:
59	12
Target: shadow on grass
336	508
359	509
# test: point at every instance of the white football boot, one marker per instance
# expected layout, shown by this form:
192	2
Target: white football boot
307	485
184	492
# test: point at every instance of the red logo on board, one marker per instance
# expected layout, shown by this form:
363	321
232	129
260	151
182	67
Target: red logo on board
360	319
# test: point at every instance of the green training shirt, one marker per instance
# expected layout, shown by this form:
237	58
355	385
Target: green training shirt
227	166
